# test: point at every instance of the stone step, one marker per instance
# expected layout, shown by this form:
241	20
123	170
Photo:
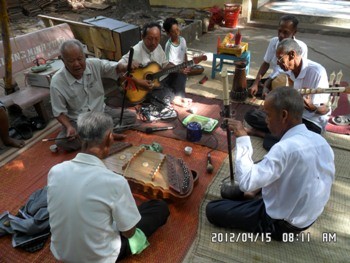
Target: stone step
307	23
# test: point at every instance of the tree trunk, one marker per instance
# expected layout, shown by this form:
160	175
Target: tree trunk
5	33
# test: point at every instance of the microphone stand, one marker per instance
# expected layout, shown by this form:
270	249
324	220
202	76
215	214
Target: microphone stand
128	74
229	187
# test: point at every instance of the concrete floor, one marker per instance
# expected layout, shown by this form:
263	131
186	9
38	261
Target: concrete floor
329	51
327	8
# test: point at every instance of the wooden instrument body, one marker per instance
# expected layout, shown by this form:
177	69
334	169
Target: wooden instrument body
151	173
239	90
136	96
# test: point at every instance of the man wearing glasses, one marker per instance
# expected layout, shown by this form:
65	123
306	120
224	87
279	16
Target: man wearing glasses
304	73
287	28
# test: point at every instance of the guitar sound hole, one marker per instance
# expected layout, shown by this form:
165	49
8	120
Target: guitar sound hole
149	77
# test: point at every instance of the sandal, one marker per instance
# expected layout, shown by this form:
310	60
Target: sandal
37	123
341	120
21	131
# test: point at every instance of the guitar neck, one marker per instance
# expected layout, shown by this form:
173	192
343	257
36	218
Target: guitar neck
173	69
307	91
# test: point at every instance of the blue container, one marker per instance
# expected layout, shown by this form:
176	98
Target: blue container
194	132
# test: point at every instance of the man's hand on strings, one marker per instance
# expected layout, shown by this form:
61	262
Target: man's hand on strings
308	103
236	127
186	70
144	83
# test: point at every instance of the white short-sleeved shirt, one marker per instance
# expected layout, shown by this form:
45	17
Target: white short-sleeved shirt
270	55
296	175
176	53
312	76
143	56
88	206
72	97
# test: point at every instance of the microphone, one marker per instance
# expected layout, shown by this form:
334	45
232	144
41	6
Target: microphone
154	129
210	166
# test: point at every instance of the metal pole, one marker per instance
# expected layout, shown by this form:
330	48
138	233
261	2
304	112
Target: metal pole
128	74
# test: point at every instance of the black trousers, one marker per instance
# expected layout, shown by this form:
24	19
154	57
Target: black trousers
249	216
256	119
154	214
173	85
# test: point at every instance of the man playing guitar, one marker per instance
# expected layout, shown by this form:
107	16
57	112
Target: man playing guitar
149	50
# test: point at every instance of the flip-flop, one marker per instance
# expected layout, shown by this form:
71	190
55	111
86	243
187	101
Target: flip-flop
37	123
341	120
21	131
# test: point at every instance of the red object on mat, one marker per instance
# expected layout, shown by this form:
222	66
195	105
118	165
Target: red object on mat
342	109
28	172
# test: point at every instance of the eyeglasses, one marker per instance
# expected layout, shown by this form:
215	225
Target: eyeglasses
280	60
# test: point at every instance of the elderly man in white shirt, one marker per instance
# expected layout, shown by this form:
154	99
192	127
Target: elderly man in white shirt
77	88
287	28
292	196
305	74
308	74
93	214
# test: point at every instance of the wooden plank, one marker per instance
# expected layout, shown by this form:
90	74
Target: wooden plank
99	6
43	43
80	30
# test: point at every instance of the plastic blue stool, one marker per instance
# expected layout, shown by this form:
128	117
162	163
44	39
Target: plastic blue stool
228	59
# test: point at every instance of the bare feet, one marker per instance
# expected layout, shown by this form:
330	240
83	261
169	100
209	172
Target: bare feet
252	195
14	143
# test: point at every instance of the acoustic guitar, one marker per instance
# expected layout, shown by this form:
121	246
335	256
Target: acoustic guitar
153	71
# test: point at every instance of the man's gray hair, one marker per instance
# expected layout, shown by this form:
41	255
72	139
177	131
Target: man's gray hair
287	98
288	45
68	43
93	126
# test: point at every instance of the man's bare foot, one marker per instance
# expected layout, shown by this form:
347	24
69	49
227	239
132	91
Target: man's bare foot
118	137
14	143
254	132
252	195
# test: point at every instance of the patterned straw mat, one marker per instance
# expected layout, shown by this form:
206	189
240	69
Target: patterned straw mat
28	172
334	221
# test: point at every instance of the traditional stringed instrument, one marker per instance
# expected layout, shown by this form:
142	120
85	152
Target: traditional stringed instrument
153	71
156	174
307	91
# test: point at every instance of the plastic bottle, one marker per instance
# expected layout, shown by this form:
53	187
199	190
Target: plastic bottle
238	38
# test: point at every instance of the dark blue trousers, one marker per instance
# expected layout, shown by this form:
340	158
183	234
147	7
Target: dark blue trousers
256	119
154	214
249	216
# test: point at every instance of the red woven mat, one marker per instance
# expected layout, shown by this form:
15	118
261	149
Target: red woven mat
28	172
